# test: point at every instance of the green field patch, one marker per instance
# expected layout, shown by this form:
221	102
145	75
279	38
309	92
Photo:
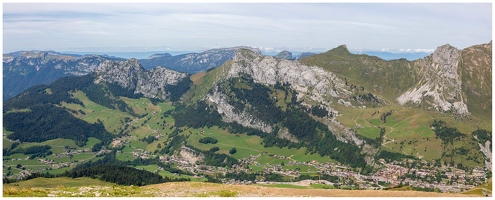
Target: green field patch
265	158
256	168
375	122
60	160
57	182
424	131
246	145
369	132
283	186
111	118
125	156
140	106
302	168
7	133
59	171
154	145
301	156
83	156
478	190
322	186
6	144
91	142
163	173
12	169
391	121
141	131
15	156
23	162
138	144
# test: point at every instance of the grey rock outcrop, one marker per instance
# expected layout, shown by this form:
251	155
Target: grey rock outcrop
131	75
229	115
440	84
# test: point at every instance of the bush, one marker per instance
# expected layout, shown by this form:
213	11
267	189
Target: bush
214	149
226	193
233	150
207	140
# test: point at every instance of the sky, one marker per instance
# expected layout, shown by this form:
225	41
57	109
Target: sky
314	27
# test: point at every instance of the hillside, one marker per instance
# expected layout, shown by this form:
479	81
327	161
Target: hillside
352	120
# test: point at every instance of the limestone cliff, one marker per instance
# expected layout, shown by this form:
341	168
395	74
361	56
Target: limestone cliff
440	84
130	74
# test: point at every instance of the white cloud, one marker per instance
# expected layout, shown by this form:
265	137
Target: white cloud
414	27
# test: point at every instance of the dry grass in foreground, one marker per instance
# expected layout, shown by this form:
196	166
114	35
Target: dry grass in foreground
200	189
196	189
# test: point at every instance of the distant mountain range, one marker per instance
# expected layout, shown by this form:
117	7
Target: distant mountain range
28	68
392	56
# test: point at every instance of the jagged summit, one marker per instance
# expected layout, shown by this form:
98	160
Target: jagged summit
284	55
130	74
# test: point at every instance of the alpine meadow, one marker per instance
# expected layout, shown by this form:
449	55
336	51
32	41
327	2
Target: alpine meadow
242	121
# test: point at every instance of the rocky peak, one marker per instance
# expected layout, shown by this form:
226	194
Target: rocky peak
284	55
131	74
440	82
124	73
446	54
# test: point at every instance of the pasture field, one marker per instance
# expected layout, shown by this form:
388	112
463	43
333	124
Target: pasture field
247	145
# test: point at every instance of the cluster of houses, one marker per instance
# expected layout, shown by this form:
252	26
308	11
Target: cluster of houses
395	173
71	152
391	175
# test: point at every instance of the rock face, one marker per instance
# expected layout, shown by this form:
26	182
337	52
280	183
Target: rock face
440	84
448	80
284	55
229	115
24	69
192	62
131	75
311	82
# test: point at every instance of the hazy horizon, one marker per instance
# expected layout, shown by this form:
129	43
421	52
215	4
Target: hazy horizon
271	27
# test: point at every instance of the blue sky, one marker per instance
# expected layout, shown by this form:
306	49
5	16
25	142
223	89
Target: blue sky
271	27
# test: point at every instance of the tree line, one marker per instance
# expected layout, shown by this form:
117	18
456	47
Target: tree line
48	122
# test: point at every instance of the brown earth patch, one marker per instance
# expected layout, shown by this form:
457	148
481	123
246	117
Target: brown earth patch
193	189
197	77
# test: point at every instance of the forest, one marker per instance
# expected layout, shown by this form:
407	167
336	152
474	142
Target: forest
445	133
48	122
